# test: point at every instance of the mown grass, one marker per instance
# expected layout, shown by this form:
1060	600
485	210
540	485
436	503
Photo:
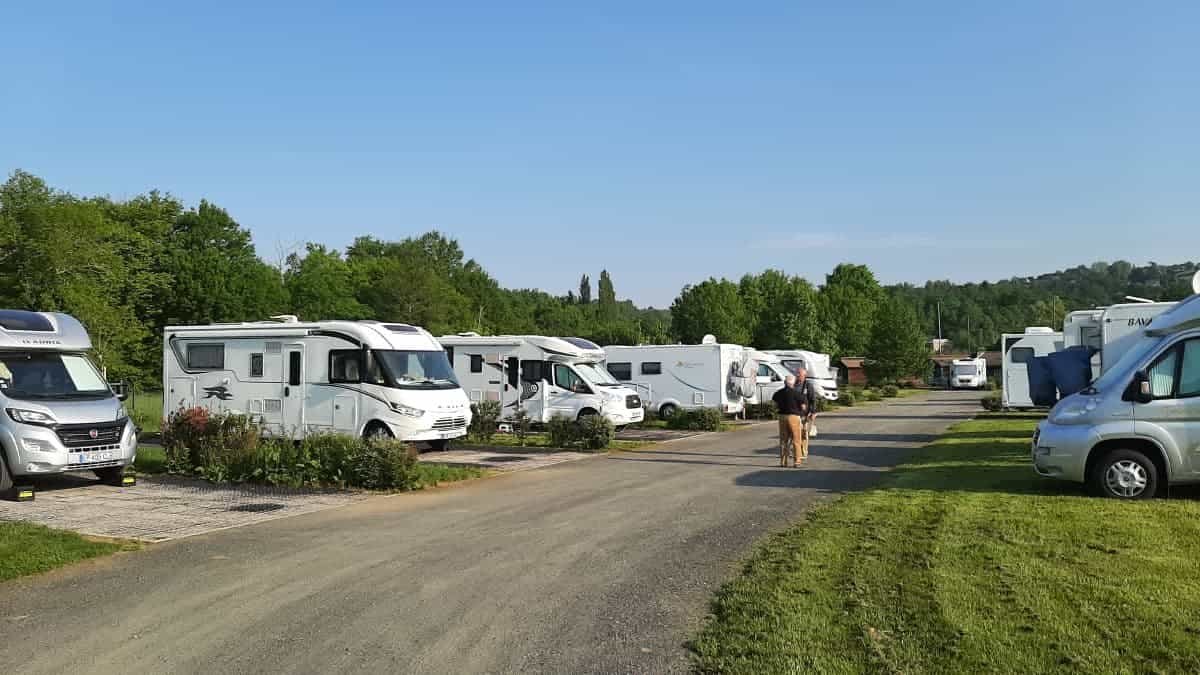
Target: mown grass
536	441
151	459
146	410
432	475
26	549
965	561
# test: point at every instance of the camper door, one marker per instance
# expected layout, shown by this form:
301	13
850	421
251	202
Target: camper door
1016	372
294	397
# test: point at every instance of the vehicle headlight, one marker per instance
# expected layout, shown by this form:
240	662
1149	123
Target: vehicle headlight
1074	411
31	417
407	410
36	445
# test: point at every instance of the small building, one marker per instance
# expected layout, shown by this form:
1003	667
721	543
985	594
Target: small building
851	373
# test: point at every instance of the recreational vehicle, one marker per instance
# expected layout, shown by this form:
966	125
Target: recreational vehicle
685	377
770	377
1019	350
546	377
968	373
815	364
365	378
1137	427
59	413
1111	330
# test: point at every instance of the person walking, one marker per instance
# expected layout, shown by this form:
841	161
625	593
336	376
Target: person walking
788	404
805	393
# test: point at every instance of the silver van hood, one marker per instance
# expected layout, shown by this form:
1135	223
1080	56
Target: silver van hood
72	412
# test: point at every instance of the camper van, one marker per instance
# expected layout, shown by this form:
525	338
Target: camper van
1019	350
686	377
365	378
59	412
545	376
968	373
769	379
1136	428
815	364
1111	330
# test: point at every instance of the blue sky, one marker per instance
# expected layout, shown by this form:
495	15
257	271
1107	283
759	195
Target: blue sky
667	142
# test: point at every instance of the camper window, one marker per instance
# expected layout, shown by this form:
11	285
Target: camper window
1189	371
1176	373
1022	354
652	368
46	375
206	357
345	366
256	365
623	371
568	379
476	363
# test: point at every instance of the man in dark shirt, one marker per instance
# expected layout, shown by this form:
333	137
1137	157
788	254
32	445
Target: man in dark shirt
788	402
806	395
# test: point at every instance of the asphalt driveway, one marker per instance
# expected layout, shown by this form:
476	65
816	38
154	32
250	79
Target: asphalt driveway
600	565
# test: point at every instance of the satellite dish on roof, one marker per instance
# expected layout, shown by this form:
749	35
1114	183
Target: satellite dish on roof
1196	282
708	340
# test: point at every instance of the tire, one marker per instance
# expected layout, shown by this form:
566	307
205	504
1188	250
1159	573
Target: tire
6	479
667	411
377	431
585	413
1124	474
110	475
439	445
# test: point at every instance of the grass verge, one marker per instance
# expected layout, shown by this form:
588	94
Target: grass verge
26	549
151	459
538	441
965	561
432	475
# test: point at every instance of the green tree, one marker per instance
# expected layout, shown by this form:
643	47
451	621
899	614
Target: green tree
783	310
1049	312
897	347
323	285
585	290
848	302
608	297
711	306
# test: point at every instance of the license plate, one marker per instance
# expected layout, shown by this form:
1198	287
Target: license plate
448	434
91	457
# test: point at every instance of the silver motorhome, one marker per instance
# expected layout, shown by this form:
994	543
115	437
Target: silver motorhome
59	412
1137	427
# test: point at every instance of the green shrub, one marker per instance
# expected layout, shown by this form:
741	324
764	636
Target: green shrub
595	432
563	431
697	419
871	395
847	398
484	416
889	391
384	465
520	423
762	411
992	402
195	439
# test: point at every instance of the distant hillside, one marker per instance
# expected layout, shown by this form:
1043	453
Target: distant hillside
992	308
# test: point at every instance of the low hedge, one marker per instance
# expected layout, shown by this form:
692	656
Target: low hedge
222	448
992	402
889	391
696	419
591	432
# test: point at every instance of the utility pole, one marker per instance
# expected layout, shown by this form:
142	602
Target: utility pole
939	313
970	341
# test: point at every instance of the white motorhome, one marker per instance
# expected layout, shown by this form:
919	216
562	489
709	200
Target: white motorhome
815	364
1136	428
968	373
59	413
686	377
1111	330
1019	350
544	376
365	378
769	379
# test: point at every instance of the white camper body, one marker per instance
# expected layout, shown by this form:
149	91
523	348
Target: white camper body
1019	350
968	373
815	364
770	377
353	377
686	377
546	377
1111	330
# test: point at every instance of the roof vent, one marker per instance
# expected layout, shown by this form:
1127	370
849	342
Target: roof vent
708	340
286	318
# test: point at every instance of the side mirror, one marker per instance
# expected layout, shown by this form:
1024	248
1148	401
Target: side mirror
1138	390
121	389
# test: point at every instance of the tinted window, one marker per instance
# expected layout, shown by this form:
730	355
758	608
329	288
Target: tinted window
567	379
256	365
1189	373
621	371
13	319
476	363
294	368
345	365
652	368
206	357
764	370
1022	354
535	371
1162	374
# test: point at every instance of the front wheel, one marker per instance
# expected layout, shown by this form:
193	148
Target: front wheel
6	481
110	475
667	411
378	431
1124	474
439	445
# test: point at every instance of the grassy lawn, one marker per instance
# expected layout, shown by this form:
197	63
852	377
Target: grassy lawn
436	474
535	441
966	561
151	459
31	549
146	410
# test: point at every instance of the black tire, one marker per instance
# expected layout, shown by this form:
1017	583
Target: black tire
1124	474
377	431
667	411
439	445
110	475
6	479
585	413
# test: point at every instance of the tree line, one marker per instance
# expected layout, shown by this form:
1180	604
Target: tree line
127	268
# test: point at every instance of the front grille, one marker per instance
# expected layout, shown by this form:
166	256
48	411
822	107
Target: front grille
634	401
447	423
79	435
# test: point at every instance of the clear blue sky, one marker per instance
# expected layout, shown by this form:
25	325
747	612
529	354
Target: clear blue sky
667	143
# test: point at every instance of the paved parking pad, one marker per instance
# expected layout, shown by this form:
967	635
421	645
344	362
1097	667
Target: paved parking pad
163	508
503	458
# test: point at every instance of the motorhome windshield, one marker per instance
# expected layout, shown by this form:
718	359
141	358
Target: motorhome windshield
597	374
964	369
814	370
1119	373
405	369
50	375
